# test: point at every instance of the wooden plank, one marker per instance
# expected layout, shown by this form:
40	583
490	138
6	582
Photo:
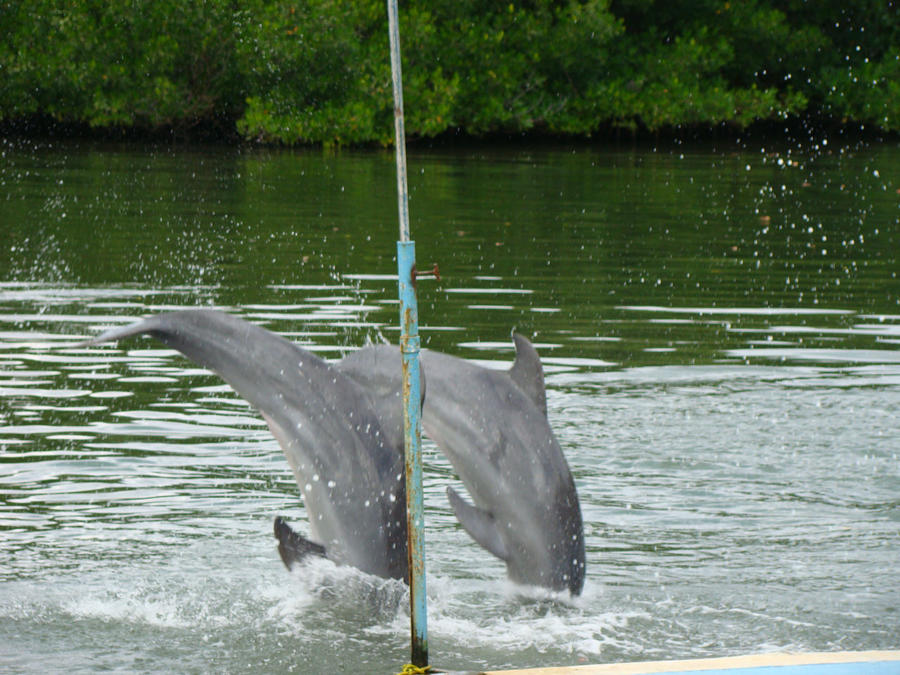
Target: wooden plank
888	662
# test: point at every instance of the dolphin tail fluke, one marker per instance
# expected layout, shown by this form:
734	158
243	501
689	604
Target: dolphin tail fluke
120	332
480	524
293	547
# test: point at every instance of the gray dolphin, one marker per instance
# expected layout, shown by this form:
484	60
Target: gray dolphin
492	426
340	426
346	460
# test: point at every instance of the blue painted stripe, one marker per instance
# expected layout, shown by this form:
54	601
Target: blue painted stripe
852	668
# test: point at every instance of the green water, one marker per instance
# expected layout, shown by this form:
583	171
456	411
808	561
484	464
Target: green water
719	328
582	231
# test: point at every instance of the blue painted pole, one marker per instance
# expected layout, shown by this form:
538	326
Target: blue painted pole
409	348
412	429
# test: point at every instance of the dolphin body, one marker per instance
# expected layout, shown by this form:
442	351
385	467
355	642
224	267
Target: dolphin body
492	426
340	426
346	460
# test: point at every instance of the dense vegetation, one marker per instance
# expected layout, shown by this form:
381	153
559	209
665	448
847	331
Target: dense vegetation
318	70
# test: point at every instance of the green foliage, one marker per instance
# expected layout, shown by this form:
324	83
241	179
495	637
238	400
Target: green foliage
867	92
311	72
502	67
318	71
118	62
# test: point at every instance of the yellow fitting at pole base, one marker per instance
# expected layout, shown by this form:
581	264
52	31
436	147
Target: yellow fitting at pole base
410	669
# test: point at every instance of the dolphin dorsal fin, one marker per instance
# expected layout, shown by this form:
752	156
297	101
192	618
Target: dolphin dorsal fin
527	372
480	524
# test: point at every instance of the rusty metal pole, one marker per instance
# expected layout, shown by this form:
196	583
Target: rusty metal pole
412	430
409	348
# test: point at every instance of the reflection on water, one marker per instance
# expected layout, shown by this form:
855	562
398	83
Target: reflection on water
719	332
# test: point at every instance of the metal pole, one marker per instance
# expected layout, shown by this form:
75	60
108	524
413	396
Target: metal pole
399	130
409	348
412	429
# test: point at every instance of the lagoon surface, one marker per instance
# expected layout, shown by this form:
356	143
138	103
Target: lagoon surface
720	331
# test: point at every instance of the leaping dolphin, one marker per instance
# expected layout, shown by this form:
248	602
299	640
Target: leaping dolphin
492	426
347	462
340	427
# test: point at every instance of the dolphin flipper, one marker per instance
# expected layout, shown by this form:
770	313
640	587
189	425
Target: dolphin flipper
293	547
480	524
